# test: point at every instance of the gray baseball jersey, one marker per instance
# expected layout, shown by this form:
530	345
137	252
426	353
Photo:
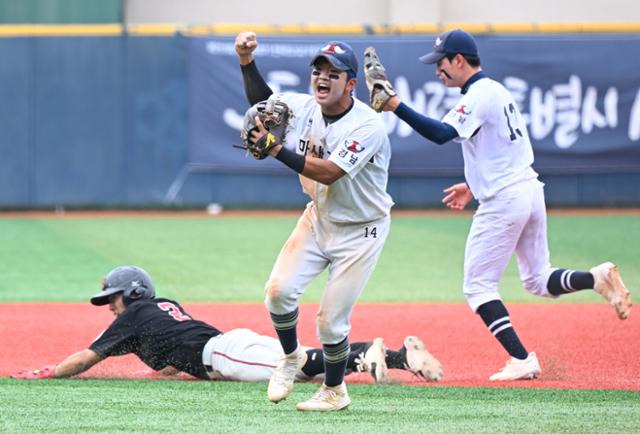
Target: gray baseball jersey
346	224
358	144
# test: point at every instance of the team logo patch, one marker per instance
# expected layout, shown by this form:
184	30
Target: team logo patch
332	49
354	146
463	110
438	42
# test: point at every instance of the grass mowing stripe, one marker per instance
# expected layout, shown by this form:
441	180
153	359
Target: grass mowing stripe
154	406
229	260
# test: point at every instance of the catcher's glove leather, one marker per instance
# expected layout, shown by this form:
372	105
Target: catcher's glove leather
274	115
380	90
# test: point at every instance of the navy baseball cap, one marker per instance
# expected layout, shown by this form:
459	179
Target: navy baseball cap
451	42
125	279
340	55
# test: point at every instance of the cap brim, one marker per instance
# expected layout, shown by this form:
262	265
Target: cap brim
102	298
432	57
333	60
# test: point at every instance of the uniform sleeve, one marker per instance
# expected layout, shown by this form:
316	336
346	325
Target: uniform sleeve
431	129
295	101
118	339
255	88
295	98
298	104
359	147
468	114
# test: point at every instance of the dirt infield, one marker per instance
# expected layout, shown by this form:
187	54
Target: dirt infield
580	346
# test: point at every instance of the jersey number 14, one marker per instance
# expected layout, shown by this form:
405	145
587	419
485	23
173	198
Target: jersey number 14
370	232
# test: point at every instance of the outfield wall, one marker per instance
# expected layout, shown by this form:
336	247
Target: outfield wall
108	121
91	120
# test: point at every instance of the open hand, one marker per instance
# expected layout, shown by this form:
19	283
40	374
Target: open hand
458	196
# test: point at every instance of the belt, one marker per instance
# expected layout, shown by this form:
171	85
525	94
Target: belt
207	350
212	373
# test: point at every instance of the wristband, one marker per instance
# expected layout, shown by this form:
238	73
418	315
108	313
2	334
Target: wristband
291	159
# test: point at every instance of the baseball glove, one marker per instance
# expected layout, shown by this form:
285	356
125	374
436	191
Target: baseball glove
274	115
380	90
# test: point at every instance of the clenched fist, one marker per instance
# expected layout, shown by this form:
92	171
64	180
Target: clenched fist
245	44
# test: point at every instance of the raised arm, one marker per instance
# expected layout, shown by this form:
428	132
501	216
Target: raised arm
429	128
383	97
255	88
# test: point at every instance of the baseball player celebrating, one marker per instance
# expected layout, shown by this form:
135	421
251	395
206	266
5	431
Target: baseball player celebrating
339	147
169	340
511	215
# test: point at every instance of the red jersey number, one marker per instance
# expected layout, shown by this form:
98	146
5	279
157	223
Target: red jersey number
173	310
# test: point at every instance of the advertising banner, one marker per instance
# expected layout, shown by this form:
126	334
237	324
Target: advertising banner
580	96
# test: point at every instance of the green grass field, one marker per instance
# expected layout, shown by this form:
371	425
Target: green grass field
229	260
171	406
221	260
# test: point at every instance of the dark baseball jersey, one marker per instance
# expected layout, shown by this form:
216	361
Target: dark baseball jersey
160	333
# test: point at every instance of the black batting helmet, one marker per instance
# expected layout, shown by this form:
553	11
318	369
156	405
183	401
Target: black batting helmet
133	282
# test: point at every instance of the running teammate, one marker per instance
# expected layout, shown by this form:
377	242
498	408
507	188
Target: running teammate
511	216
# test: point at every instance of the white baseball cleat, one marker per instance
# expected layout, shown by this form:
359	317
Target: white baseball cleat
374	361
517	369
281	382
327	399
420	361
609	284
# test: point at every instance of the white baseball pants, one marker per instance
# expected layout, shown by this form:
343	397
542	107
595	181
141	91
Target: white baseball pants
350	251
241	355
514	220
